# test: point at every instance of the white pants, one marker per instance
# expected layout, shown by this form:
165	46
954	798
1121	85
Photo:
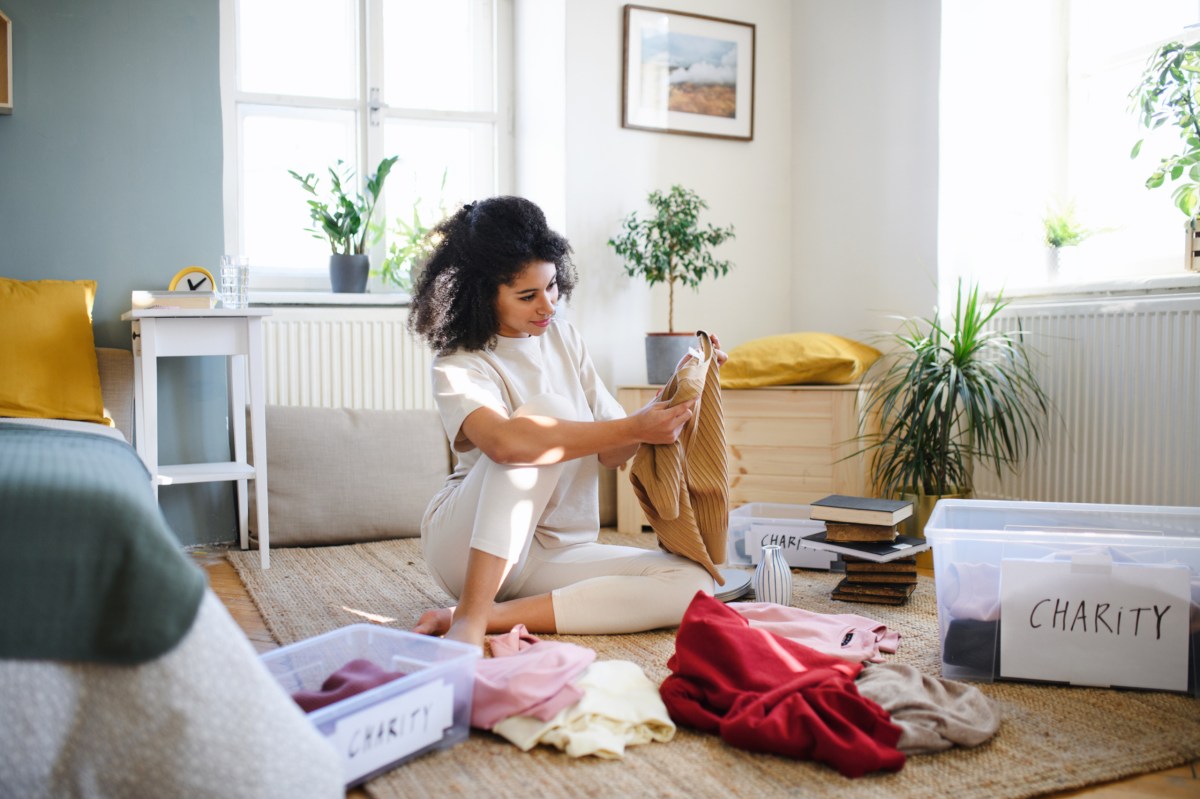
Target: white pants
595	588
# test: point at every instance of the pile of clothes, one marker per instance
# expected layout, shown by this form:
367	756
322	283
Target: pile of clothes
771	679
764	677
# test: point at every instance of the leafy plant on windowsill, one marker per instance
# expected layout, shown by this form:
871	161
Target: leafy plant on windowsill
1062	229
410	243
1168	93
948	392
671	246
344	217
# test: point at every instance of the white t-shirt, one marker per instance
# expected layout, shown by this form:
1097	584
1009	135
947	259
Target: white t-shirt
505	378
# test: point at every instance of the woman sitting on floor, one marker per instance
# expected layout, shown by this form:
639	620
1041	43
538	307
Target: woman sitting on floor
512	534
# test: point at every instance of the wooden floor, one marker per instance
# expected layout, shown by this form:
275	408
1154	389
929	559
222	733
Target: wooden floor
1177	783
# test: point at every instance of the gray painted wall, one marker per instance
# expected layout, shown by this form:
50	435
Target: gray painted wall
110	169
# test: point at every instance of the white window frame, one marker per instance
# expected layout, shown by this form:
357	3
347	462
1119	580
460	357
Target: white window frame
370	116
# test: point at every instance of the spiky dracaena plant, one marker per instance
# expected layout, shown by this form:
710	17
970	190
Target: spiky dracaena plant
950	392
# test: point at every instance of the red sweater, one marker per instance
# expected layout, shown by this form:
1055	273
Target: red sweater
767	694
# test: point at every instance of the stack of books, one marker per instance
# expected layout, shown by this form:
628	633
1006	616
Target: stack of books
890	583
881	567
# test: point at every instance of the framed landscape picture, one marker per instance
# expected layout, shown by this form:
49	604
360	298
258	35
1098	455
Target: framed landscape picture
687	73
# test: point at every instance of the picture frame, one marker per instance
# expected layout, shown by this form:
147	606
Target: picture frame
688	74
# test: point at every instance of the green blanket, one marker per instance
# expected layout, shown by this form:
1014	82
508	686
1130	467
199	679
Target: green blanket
89	569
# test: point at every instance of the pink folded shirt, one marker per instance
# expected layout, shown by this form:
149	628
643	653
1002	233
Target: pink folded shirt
526	677
843	635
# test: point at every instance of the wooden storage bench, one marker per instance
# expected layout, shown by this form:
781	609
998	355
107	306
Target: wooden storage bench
785	445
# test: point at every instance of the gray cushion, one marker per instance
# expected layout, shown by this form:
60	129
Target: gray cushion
341	476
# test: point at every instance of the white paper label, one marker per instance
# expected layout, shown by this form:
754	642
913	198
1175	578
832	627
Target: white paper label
384	733
787	538
1090	621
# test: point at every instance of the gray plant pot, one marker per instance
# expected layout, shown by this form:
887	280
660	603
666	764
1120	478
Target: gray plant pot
663	353
348	273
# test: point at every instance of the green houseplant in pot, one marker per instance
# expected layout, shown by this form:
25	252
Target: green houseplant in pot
1062	229
410	243
671	246
1169	94
344	219
946	393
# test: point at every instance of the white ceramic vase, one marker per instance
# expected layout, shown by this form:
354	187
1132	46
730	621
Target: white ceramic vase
773	577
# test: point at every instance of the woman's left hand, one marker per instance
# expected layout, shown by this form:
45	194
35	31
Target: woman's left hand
719	353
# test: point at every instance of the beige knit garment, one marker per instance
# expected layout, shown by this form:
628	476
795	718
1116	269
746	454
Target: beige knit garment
684	487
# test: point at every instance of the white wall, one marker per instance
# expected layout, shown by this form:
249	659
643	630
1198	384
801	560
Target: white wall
610	170
539	115
864	154
834	201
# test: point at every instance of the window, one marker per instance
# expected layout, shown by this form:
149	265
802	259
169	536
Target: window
306	83
1035	116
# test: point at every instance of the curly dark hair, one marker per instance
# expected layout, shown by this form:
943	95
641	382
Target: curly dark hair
482	246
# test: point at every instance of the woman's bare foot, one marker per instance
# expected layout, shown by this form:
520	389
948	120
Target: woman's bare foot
435	622
441	621
466	631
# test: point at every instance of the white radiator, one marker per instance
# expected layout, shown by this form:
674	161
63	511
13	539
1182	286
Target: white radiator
345	358
1123	375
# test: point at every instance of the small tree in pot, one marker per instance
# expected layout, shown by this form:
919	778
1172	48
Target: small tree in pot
670	247
344	219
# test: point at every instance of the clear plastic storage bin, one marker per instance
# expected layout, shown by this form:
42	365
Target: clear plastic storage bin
758	523
1102	595
378	729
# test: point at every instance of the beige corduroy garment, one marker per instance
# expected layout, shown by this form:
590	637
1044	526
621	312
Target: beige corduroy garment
684	487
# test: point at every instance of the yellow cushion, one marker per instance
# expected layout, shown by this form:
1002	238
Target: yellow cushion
796	358
48	352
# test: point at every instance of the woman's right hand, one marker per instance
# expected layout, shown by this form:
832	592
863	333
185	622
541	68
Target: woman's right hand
661	423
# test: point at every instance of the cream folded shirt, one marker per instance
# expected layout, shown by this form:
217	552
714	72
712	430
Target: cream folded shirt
620	707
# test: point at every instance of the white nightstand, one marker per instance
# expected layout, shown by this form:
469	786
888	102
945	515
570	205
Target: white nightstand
171	332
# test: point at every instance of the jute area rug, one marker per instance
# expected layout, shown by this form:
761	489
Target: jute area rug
1050	739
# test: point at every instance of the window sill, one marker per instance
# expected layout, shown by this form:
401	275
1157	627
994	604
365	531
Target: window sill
328	298
1181	283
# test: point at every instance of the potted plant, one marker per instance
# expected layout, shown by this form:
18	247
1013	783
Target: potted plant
670	247
409	245
1062	229
1167	93
947	393
344	219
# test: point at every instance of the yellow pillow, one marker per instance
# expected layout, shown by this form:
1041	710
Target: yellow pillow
794	358
48	352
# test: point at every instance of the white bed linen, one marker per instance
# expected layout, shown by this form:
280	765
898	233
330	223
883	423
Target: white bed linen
67	424
204	720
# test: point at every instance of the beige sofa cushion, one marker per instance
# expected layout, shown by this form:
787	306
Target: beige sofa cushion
341	476
116	385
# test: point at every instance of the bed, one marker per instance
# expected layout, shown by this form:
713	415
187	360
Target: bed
121	673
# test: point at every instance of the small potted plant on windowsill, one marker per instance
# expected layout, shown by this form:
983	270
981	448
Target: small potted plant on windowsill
410	243
344	220
670	247
1062	229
